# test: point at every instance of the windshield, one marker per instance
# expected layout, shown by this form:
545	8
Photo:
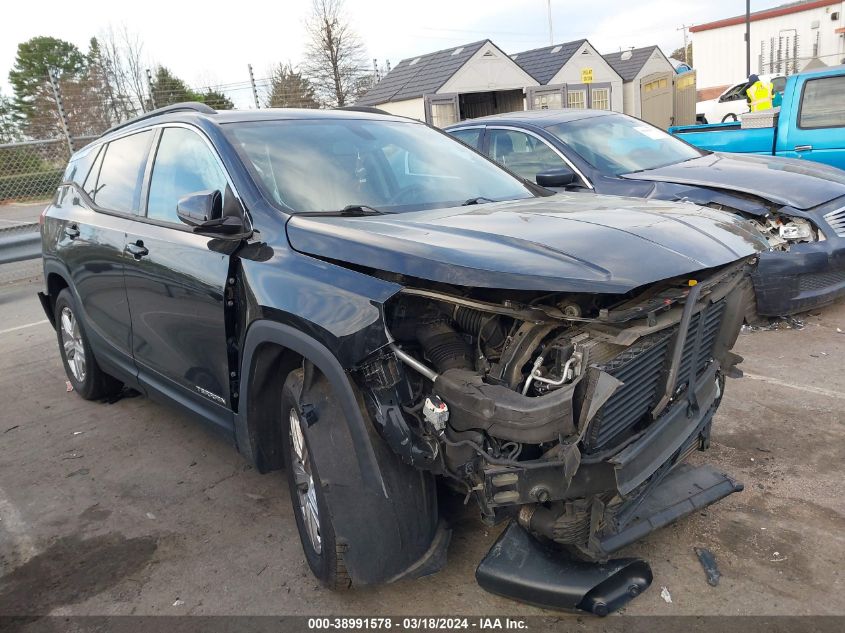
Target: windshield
617	144
330	164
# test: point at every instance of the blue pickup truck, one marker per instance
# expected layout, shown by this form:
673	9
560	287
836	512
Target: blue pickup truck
810	124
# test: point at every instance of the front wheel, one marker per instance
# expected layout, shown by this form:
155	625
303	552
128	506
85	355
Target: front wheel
323	553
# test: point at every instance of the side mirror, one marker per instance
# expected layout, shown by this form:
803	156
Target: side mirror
559	177
203	210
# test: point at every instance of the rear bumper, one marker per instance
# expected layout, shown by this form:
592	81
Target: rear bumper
808	276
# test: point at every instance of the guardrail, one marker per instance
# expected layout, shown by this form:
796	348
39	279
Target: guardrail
20	242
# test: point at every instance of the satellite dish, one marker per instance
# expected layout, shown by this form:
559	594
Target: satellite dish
626	55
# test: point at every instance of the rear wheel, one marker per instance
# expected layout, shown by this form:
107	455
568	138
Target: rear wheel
323	553
729	117
82	370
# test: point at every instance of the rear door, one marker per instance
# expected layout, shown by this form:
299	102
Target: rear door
92	244
176	281
817	132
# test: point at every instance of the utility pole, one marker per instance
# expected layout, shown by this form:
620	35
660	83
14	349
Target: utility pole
747	38
254	90
60	106
551	34
684	28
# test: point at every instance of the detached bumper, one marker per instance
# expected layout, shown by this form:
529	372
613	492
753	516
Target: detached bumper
808	276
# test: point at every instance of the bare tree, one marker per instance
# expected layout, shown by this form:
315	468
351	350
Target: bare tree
335	56
122	55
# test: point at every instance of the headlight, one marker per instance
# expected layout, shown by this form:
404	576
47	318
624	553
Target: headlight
796	231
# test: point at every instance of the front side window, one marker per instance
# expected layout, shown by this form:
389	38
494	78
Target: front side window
617	144
821	103
329	164
522	153
184	164
118	186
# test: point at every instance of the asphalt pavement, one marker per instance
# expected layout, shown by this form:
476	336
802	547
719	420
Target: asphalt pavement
132	508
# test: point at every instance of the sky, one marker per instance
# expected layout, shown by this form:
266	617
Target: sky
211	43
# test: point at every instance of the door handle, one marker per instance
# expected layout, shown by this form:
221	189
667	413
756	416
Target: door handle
803	148
72	231
137	249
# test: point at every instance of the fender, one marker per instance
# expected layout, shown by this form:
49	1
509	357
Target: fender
384	512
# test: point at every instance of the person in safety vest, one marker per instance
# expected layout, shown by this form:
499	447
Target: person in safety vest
759	94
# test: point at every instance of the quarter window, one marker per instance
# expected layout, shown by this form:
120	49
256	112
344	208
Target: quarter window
522	153
471	136
184	164
118	185
821	103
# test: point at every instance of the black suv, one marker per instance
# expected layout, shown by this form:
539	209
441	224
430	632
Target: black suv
370	303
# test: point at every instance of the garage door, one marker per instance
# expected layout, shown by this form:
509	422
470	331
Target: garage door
656	99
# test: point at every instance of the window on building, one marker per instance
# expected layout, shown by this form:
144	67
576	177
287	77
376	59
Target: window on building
184	164
600	98
577	98
119	183
547	100
821	103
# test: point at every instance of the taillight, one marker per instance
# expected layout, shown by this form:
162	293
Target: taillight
42	217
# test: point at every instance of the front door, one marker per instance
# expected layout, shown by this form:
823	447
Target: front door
819	128
176	282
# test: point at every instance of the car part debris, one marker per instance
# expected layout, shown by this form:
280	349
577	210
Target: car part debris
521	568
708	562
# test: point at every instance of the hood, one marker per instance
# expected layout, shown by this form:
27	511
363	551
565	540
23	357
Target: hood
787	181
572	242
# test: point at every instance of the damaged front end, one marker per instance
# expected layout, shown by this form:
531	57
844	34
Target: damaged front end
568	414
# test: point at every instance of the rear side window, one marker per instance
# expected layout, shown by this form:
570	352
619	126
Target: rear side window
471	137
118	186
80	165
184	164
821	103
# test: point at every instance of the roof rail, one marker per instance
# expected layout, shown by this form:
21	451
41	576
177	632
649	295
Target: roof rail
357	108
185	106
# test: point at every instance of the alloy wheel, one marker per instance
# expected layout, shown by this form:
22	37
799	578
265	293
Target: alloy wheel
304	479
72	343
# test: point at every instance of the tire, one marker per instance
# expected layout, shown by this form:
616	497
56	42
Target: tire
324	554
729	117
82	370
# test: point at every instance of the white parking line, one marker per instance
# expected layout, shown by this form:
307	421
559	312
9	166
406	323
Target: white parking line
23	327
782	383
13	524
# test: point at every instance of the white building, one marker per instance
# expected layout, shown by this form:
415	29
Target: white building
784	40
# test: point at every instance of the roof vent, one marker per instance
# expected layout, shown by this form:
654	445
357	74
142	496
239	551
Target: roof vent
586	51
556	49
626	55
414	61
458	50
489	54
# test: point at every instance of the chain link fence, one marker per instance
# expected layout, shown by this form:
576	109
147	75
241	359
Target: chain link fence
66	114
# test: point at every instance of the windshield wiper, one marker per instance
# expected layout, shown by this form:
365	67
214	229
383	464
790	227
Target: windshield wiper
477	200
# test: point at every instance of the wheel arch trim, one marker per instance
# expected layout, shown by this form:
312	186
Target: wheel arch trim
265	332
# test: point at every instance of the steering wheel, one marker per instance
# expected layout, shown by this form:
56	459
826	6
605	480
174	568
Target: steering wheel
400	196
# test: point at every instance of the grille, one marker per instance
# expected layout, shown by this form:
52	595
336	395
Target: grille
820	281
836	219
643	369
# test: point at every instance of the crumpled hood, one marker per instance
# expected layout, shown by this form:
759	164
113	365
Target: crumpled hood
788	181
570	242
